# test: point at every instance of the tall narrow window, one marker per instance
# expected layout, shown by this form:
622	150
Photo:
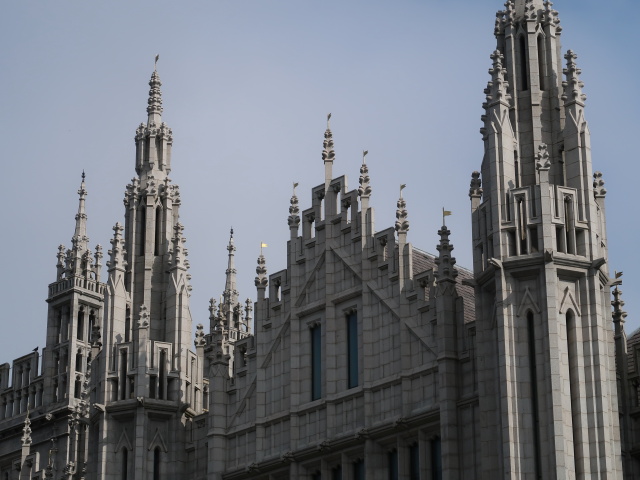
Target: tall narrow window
533	379
156	463
414	462
80	325
123	374
574	387
127	325
163	375
392	458
336	473
541	62
352	349
436	459
158	239
316	363
524	71
125	463
142	225
358	470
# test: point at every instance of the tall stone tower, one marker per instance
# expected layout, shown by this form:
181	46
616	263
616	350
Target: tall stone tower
149	383
545	347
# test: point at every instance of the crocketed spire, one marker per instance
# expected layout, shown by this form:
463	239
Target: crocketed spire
328	154
402	222
154	108
294	210
261	280
572	85
230	291
497	90
117	251
364	190
445	261
80	240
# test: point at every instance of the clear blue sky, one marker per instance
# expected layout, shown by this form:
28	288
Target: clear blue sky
247	86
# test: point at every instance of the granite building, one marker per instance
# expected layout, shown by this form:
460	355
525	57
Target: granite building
364	356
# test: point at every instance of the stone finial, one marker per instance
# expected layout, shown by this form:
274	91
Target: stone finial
475	187
179	253
117	251
154	108
543	161
531	9
445	261
402	223
598	185
26	431
364	190
328	154
248	308
97	265
497	90
230	293
61	261
143	317
572	85
80	240
200	340
294	210
619	315
550	16
509	12
261	280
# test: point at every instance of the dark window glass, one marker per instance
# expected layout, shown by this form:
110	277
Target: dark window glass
358	470
316	363
393	464
336	473
436	459
414	462
352	349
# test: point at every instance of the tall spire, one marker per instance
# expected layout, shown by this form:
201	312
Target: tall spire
230	292
154	109
80	240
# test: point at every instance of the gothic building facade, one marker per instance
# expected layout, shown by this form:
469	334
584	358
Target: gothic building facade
364	356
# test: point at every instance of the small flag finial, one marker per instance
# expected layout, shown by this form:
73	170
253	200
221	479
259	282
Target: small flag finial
262	245
295	184
445	213
155	65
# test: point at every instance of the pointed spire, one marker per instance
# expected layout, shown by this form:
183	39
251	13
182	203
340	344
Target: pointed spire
402	223
80	240
328	154
445	261
294	210
497	90
26	431
154	108
572	85
364	190
117	251
230	293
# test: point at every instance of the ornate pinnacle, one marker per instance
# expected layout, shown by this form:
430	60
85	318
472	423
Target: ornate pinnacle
294	211
402	224
117	251
497	90
475	187
179	254
230	291
261	270
445	261
200	340
619	315
154	109
80	239
550	16
572	85
26	431
328	154
248	308
364	190
598	185
543	161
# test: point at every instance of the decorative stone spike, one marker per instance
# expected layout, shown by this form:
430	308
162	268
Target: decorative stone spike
543	161
261	270
155	95
117	251
328	154
445	261
294	210
475	187
200	340
143	317
364	190
598	185
26	431
572	85
402	223
497	88
619	315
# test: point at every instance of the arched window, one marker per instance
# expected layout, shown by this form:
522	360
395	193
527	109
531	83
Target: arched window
80	325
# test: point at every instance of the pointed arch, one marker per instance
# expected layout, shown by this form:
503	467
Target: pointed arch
569	302
123	442
158	442
527	301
